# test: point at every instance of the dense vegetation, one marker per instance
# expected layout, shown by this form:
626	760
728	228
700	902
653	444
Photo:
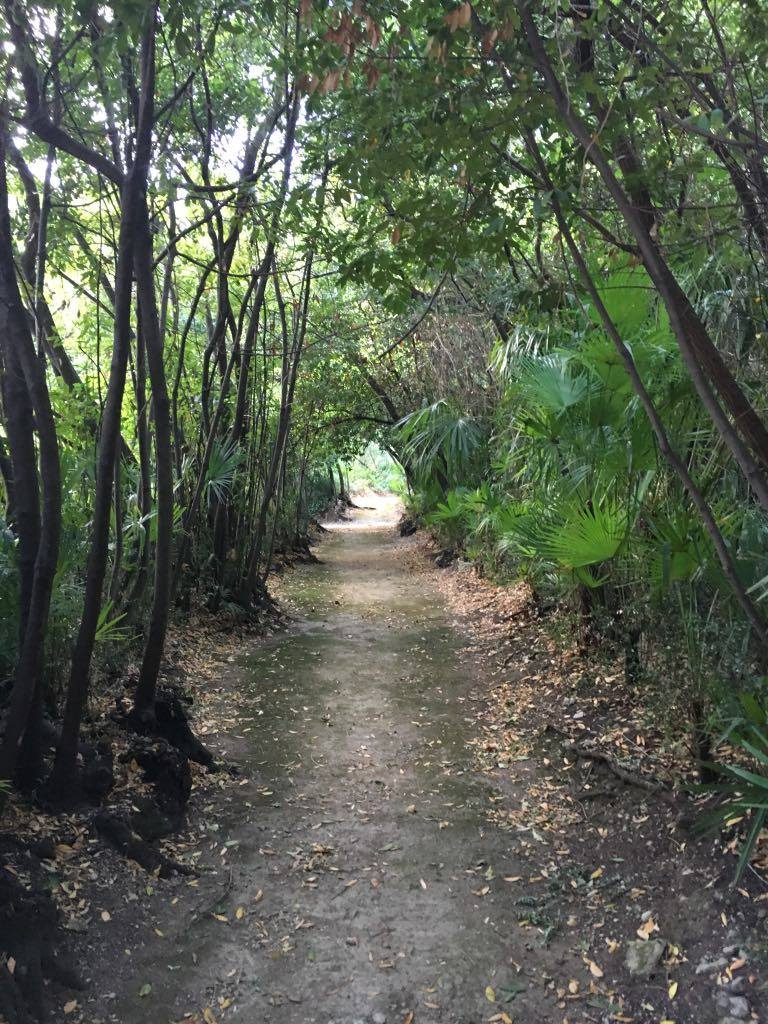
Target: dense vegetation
520	246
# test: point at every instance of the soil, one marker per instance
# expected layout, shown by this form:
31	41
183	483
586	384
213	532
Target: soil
388	851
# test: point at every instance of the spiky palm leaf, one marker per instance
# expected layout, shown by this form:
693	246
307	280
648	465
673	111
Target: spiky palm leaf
223	464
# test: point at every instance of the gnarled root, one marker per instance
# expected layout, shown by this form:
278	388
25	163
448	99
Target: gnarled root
28	926
115	825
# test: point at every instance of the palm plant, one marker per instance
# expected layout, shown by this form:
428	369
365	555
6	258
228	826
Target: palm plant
743	791
224	462
438	441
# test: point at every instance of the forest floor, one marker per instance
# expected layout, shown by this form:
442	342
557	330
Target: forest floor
409	839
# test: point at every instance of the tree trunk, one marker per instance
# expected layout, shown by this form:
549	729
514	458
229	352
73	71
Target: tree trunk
700	355
19	350
133	188
158	621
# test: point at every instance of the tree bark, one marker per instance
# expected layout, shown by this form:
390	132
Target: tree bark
701	357
133	189
19	351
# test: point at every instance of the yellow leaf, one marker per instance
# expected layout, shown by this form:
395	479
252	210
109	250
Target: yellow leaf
672	991
222	917
490	995
596	874
594	970
573	986
208	1016
240	913
647	928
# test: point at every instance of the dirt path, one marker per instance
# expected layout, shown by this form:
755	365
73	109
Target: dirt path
360	877
364	871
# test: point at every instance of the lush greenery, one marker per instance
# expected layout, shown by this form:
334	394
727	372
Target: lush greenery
519	247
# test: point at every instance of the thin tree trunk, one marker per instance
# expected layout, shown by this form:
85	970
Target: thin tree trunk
696	347
154	344
134	186
676	463
16	339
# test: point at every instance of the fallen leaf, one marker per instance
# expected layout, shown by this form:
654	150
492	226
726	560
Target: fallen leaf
647	928
672	990
71	1006
145	989
594	970
106	916
208	1016
240	913
490	995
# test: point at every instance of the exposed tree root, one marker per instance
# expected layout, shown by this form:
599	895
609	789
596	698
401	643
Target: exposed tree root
627	777
170	722
28	929
406	526
115	825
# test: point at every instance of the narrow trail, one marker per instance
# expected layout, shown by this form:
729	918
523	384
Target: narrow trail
362	879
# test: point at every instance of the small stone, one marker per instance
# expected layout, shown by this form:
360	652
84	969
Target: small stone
711	966
643	956
379	1018
731	950
738	1007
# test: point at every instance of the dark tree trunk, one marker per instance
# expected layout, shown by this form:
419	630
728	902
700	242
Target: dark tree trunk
133	189
158	622
19	351
704	362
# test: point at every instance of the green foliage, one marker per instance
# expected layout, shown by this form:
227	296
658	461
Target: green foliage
439	440
375	468
224	462
744	791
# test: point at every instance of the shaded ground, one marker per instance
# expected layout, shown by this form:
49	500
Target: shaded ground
363	866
